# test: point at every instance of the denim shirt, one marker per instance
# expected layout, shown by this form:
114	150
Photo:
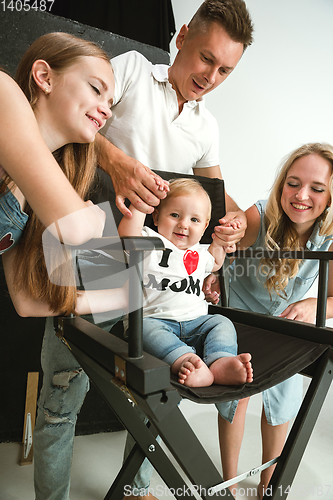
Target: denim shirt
12	221
246	282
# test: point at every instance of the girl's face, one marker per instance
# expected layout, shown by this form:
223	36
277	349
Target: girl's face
306	193
79	101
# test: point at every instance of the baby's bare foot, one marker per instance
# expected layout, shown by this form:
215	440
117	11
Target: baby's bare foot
233	370
193	372
188	365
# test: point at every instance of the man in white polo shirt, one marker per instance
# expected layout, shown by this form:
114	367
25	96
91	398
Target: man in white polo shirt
159	121
159	117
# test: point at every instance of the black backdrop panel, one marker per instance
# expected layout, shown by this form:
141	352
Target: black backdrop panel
21	338
148	21
19	29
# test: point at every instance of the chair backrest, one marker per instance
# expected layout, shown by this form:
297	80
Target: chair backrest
215	189
104	191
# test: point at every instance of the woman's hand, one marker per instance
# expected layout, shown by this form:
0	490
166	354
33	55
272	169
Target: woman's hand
304	310
231	229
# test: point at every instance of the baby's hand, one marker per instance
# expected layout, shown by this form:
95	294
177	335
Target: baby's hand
211	289
161	184
230	249
234	224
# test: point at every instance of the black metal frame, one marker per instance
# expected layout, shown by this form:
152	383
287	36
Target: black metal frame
145	381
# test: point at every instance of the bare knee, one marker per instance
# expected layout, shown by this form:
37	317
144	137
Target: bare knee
243	402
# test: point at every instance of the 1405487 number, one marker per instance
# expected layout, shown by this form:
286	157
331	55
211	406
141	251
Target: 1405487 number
26	5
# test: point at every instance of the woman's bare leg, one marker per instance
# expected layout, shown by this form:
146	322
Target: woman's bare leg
231	437
273	439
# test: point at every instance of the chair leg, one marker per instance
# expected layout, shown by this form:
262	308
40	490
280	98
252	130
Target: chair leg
126	474
172	427
119	403
300	432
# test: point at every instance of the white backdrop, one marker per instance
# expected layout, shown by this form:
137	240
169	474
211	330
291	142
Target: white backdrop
279	96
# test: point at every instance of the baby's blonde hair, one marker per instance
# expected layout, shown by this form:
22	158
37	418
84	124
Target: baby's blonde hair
187	187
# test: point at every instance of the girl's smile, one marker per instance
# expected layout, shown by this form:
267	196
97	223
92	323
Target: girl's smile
78	103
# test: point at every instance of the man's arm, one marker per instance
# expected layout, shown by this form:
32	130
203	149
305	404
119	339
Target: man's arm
227	234
212	172
131	179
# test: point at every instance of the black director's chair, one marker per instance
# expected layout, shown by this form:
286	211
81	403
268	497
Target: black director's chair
127	377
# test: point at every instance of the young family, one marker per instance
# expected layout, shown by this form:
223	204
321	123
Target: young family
153	117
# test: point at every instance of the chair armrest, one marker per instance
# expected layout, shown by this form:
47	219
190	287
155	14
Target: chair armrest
323	257
135	246
282	254
115	243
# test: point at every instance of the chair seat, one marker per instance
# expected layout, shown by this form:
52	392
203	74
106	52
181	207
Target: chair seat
291	356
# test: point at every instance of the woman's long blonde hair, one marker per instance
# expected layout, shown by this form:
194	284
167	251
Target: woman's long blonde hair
281	233
78	162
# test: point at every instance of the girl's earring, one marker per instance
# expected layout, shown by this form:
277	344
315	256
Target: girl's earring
46	91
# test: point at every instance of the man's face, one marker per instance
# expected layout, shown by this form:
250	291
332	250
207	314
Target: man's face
203	62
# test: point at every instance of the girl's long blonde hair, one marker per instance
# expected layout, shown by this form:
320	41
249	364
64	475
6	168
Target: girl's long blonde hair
281	233
78	162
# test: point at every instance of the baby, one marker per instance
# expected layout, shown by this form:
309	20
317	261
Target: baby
176	325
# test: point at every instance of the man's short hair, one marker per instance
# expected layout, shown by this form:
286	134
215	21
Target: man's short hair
232	15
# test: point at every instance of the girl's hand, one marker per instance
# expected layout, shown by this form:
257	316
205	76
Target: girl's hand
304	310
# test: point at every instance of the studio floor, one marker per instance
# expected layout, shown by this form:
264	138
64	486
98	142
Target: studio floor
97	458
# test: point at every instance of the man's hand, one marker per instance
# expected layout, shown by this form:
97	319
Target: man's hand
142	187
131	179
211	289
232	228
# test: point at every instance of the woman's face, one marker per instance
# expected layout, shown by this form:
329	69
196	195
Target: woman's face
306	193
80	100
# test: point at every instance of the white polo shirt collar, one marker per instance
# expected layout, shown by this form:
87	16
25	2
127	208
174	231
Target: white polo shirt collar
160	73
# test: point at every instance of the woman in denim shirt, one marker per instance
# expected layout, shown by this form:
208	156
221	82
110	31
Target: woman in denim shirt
298	215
